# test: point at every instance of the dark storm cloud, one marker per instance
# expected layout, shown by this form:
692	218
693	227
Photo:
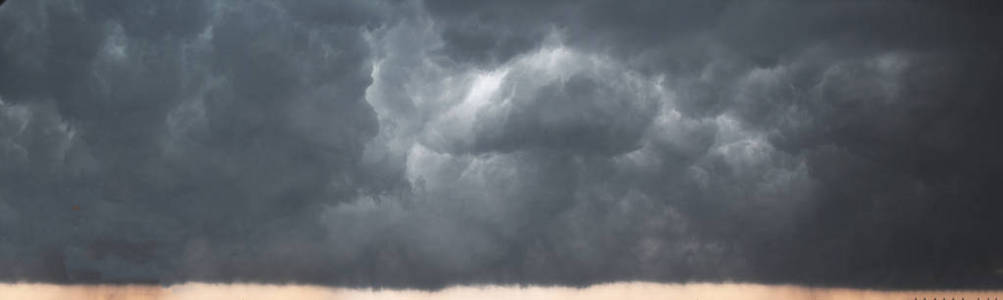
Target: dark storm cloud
135	130
421	144
552	99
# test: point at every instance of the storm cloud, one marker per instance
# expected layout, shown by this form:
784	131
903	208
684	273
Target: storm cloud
431	143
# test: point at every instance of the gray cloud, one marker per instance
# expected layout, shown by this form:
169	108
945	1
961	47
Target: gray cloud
554	99
427	143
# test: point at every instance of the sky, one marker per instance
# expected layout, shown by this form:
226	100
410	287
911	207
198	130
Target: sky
426	144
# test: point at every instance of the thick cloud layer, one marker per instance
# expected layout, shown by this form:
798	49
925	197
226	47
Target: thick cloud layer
428	143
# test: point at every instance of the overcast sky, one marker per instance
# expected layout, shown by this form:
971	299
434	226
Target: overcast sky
431	143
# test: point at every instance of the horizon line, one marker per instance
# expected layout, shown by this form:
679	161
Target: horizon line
620	290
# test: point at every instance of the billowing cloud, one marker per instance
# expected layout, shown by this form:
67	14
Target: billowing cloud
429	143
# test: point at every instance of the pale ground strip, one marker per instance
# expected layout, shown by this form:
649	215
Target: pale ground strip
619	291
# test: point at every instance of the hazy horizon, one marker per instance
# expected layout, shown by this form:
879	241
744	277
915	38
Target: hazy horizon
631	290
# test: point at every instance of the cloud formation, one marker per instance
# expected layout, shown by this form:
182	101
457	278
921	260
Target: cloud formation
429	143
